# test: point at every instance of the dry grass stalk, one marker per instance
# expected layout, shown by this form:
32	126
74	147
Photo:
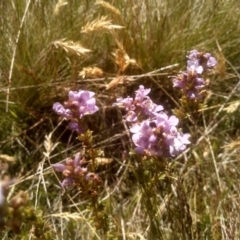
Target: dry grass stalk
123	60
232	107
103	160
68	216
109	7
232	145
118	80
57	7
49	145
100	24
71	47
7	158
221	66
91	72
115	82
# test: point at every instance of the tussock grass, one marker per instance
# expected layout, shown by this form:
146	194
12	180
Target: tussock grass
123	44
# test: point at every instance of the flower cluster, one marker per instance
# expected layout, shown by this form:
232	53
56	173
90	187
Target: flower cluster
77	175
200	61
159	136
191	82
139	107
156	134
78	105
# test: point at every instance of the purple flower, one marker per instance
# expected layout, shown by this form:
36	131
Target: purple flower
127	103
131	116
177	141
79	104
60	110
149	108
199	59
80	96
165	122
144	139
190	83
211	61
59	167
159	137
141	93
140	107
67	182
75	127
71	170
82	102
193	59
